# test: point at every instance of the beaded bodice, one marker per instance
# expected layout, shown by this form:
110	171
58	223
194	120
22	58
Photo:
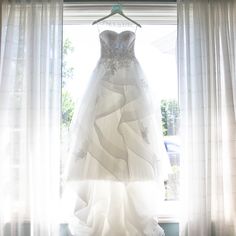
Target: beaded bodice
117	45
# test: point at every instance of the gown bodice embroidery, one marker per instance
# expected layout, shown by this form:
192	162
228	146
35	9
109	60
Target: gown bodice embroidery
117	45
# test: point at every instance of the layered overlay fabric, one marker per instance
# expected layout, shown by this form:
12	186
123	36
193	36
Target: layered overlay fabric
117	156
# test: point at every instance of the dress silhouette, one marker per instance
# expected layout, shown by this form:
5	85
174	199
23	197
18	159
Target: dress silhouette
116	155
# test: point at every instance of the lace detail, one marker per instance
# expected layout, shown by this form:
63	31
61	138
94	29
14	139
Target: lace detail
117	50
113	65
116	45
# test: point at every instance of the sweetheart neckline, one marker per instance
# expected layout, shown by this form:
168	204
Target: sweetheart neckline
112	31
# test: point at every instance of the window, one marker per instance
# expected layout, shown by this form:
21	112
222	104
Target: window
156	51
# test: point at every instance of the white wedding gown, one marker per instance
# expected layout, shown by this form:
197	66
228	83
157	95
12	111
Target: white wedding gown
117	155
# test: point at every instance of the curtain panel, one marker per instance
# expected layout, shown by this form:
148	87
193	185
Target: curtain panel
206	64
30	101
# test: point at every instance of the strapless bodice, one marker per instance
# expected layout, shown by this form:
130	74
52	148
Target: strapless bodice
117	45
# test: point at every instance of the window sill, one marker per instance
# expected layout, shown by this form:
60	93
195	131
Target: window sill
169	212
168	220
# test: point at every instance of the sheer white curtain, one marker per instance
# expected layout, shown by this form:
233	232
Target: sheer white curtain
30	88
206	61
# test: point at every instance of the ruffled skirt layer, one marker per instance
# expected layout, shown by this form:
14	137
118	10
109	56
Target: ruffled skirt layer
108	208
117	157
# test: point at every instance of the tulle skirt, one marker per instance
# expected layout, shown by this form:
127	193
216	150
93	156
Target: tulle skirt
111	208
117	159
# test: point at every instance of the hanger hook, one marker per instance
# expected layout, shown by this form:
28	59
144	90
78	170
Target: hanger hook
116	8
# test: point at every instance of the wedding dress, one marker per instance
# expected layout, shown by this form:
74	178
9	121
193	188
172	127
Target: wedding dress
117	155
